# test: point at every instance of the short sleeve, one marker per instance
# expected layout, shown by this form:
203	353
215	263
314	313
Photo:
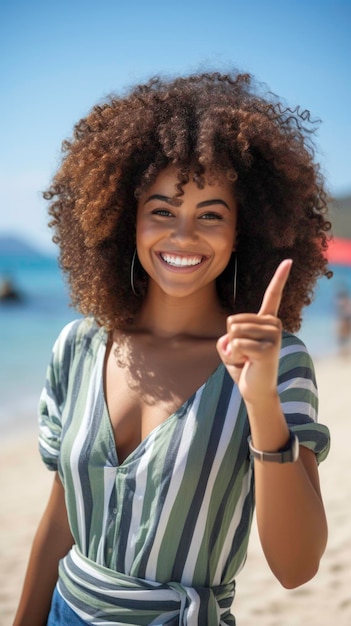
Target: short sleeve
298	394
53	397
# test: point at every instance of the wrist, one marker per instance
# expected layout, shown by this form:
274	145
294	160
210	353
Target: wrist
289	453
266	404
269	429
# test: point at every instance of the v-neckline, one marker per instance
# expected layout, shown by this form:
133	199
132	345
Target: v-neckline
165	422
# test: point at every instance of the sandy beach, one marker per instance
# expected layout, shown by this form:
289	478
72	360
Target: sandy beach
25	484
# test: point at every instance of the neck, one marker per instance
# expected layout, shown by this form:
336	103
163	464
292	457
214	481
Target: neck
198	317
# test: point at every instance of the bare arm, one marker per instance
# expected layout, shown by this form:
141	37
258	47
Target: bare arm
289	508
52	541
290	513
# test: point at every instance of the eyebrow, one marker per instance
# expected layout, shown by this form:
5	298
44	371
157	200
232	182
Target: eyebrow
177	201
210	202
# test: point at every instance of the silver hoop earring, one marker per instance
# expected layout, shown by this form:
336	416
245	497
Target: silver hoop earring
132	274
235	277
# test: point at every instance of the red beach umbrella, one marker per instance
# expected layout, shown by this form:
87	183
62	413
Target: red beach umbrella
339	251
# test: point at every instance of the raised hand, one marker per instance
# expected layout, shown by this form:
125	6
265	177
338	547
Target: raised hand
250	348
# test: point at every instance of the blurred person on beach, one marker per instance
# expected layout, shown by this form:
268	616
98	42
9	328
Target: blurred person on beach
343	320
191	221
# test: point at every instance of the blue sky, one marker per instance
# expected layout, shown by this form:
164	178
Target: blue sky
58	58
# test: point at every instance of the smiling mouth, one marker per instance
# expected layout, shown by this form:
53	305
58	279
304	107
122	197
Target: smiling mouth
181	261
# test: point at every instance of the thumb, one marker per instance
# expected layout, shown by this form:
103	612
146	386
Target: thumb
223	345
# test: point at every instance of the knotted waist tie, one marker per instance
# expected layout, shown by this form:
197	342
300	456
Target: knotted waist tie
102	596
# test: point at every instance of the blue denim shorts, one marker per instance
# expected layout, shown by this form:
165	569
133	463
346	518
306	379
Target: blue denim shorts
61	614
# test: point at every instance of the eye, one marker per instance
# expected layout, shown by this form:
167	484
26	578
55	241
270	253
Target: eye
162	212
211	215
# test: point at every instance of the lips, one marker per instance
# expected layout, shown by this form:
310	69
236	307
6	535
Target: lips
175	260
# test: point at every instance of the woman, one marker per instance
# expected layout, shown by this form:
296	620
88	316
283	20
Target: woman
190	219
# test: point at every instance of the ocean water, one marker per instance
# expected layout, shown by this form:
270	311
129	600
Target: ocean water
29	328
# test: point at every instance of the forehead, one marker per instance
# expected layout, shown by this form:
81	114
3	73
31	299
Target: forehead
168	180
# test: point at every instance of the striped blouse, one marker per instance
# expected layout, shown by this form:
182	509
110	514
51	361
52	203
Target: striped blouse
159	538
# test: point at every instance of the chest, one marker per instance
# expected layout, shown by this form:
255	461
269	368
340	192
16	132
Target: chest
145	386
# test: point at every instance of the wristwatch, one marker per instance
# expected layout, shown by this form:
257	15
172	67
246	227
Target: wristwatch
288	454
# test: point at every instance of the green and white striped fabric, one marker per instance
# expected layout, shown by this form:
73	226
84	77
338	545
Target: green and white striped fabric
160	537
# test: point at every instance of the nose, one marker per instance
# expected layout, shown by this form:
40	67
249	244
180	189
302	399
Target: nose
184	230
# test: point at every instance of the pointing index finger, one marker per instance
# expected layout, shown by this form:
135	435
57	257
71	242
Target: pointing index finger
273	294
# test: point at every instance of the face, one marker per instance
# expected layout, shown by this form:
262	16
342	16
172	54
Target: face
185	244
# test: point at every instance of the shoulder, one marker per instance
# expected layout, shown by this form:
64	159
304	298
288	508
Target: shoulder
295	357
79	334
291	344
293	347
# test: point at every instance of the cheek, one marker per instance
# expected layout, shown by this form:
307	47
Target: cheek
142	231
145	238
226	243
225	249
145	235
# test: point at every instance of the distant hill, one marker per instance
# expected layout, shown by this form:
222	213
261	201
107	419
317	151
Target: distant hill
15	246
340	216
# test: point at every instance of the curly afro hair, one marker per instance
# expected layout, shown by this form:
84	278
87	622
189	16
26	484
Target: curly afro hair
207	124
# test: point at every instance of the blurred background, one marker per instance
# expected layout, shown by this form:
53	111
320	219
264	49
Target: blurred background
58	59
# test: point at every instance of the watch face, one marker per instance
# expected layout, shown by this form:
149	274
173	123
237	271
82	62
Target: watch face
295	447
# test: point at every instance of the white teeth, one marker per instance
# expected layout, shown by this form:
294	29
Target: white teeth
181	261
